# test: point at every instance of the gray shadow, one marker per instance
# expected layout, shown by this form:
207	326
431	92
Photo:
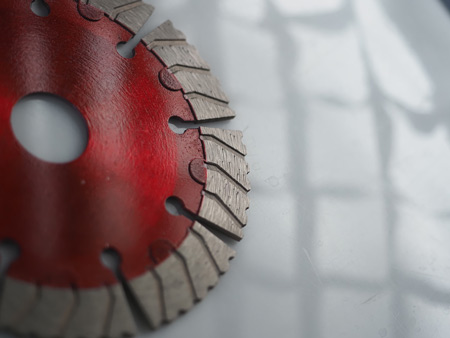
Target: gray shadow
399	283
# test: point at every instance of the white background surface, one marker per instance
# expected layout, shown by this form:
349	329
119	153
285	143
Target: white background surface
345	109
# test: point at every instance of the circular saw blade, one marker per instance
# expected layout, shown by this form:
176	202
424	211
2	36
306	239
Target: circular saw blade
63	216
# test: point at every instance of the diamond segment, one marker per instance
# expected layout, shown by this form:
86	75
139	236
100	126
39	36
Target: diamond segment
113	197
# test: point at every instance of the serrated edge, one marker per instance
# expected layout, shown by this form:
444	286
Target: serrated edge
131	14
184	278
28	309
203	90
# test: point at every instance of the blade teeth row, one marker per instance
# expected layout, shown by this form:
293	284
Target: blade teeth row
203	272
229	162
203	90
232	138
165	34
131	14
203	84
214	214
147	290
225	200
177	290
163	294
90	316
18	299
229	194
121	320
181	56
217	249
184	278
210	110
47	312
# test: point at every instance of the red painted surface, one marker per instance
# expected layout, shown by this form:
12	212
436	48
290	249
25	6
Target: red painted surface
198	171
89	12
63	216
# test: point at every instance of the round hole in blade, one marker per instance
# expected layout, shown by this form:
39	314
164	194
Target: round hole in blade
174	206
40	8
125	50
50	128
111	259
177	125
9	252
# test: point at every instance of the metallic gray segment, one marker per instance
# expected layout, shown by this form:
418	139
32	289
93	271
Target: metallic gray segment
232	138
210	110
181	55
214	214
230	162
176	285
134	18
200	265
147	291
121	320
109	6
220	252
131	14
50	313
202	83
165	32
117	10
234	197
17	300
90	317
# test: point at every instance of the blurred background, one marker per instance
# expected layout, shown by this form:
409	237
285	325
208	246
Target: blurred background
345	107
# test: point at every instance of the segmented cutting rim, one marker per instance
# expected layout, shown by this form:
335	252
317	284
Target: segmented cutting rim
193	268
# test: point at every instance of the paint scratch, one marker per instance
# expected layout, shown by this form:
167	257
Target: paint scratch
313	266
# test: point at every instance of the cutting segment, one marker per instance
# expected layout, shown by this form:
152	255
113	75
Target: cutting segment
113	197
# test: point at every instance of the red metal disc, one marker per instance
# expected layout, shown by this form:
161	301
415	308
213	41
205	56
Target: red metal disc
64	215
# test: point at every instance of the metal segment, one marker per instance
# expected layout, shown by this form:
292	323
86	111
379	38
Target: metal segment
121	322
201	83
182	56
109	6
183	278
219	251
200	265
130	13
232	138
177	288
147	290
49	314
203	90
228	161
215	214
134	18
230	194
226	180
206	109
18	298
163	35
90	317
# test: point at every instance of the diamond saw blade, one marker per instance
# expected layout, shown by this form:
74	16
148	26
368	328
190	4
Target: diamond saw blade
63	216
